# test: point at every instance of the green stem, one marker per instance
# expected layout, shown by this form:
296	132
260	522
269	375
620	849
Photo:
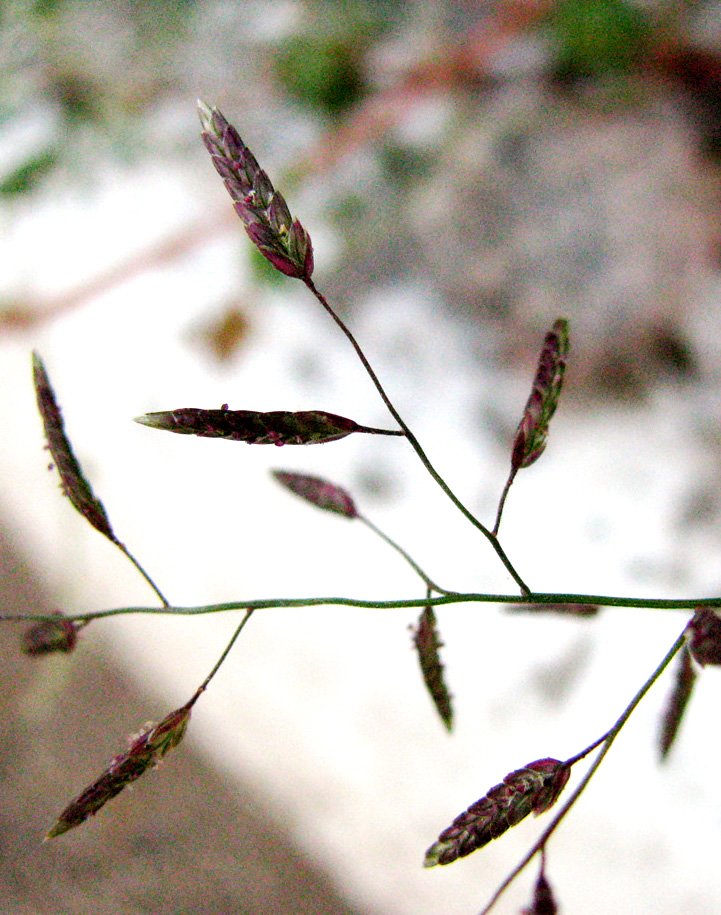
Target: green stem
373	431
411	562
123	549
416	445
453	597
226	651
502	502
607	741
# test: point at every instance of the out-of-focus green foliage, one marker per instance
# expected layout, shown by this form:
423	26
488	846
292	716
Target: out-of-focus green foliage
321	65
405	165
47	7
82	77
323	73
27	175
262	269
598	37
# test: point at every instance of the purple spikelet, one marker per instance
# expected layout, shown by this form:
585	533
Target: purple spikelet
263	211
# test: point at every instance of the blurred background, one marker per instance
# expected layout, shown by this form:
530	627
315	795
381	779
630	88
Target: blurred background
468	172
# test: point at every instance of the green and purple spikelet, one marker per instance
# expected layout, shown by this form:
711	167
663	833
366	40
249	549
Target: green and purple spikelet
144	753
263	211
324	495
278	427
532	789
532	432
428	645
74	483
50	636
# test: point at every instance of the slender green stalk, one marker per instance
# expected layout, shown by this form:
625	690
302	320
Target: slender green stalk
129	555
453	597
226	651
415	444
607	741
399	549
502	501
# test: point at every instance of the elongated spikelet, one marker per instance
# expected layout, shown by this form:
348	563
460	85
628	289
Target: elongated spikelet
49	636
428	645
532	433
580	610
263	211
72	480
677	702
144	753
318	492
279	427
532	789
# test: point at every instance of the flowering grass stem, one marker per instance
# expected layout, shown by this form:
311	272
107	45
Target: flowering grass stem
606	742
534	787
144	753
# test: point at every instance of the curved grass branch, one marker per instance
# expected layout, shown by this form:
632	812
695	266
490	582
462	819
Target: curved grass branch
502	501
415	444
409	559
607	742
458	597
126	552
226	651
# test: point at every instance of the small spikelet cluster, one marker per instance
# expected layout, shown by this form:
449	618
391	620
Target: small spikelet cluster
580	610
318	492
74	483
144	753
704	637
49	636
532	433
677	702
263	211
278	427
532	789
544	902
428	646
75	486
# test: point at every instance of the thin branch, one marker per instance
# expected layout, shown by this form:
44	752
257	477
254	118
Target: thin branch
226	651
502	501
126	552
415	444
607	741
399	549
650	603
